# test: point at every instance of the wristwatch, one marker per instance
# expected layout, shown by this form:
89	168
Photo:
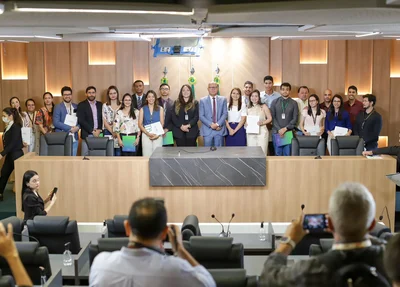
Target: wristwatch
288	240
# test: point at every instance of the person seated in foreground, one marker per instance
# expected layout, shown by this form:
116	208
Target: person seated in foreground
351	217
392	260
143	262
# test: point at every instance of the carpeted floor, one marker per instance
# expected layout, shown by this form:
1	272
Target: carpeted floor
7	207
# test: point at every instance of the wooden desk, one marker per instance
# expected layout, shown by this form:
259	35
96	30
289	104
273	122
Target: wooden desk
99	188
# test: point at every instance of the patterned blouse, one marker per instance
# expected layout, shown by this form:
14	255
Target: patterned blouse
44	118
125	124
109	114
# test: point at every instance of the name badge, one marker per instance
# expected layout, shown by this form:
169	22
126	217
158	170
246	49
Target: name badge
283	116
186	117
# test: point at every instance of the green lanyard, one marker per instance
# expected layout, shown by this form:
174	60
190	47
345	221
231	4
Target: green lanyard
284	105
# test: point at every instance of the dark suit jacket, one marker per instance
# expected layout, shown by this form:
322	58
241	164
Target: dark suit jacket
179	120
135	102
167	113
12	140
32	205
85	117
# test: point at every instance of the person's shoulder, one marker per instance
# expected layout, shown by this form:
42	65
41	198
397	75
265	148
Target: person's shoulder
82	103
29	195
105	259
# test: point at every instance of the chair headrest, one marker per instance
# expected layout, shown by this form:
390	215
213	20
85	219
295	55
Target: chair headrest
326	244
117	223
191	222
97	143
15	221
58	138
347	142
48	224
210	247
112	244
308	141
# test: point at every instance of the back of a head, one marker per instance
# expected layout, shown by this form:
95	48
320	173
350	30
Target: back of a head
147	218
352	210
392	259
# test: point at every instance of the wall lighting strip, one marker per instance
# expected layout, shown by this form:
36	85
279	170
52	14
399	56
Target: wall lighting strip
368	34
31	36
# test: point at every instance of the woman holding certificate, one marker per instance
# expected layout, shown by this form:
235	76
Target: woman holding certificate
258	116
126	127
44	117
109	111
337	121
236	118
151	122
312	121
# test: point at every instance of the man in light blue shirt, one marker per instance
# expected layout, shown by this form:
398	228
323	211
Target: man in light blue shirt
269	94
143	262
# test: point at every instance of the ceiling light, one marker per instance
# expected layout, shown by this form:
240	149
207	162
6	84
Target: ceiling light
49	37
1	8
275	38
306	27
16	36
368	34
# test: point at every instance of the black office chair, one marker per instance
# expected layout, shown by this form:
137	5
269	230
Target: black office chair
233	278
100	146
56	144
7	281
106	244
303	247
115	226
323	246
32	257
347	145
381	231
17	224
54	232
308	146
190	227
216	252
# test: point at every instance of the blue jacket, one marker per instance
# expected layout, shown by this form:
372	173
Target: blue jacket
59	114
205	115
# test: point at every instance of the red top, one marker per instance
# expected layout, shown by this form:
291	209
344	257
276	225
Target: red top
353	110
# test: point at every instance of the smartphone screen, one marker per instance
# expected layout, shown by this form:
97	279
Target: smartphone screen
53	192
315	222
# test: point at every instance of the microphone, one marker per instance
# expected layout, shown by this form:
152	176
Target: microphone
387	214
302	207
223	233
228	233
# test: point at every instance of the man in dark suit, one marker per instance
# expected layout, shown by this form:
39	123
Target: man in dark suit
90	117
167	104
138	97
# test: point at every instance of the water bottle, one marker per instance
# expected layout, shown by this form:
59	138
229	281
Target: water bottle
43	278
67	258
262	234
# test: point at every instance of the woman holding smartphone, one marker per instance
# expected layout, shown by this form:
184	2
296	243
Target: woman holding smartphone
32	202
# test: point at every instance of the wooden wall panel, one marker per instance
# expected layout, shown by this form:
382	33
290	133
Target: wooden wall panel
221	55
204	69
184	74
13	88
250	60
394	114
315	77
14	64
101	53
101	77
337	58
36	72
141	54
381	81
57	65
313	52
395	59
157	66
359	65
291	64
124	67
79	70
276	61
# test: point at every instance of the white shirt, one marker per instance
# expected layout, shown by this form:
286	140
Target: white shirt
235	116
144	267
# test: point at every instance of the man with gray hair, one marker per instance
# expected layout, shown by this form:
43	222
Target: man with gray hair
351	217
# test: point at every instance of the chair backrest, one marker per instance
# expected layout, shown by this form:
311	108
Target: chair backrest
56	144
100	146
216	252
17	225
233	278
32	257
347	145
54	232
106	244
7	281
115	226
190	227
323	246
303	248
308	146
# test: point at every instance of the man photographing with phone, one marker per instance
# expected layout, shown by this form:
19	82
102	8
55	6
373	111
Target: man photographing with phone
144	262
351	217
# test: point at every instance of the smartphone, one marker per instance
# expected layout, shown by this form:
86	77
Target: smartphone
53	192
315	222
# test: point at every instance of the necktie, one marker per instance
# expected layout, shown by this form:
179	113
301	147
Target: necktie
214	116
139	104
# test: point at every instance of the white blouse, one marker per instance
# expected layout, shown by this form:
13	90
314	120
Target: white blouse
235	116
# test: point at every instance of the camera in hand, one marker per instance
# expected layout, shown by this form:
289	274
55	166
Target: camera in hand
315	222
53	193
167	239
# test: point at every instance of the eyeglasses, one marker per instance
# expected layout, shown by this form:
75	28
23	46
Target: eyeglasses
213	87
164	89
336	102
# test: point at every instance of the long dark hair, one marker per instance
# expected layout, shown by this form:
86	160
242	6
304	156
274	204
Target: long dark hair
240	98
156	108
181	102
25	180
259	98
132	109
19	109
318	107
14	112
108	95
332	108
52	103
